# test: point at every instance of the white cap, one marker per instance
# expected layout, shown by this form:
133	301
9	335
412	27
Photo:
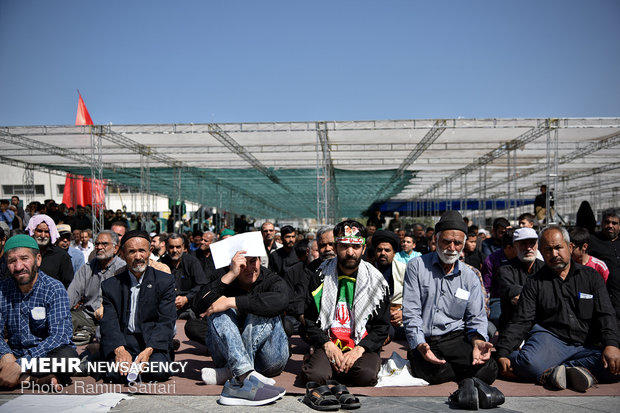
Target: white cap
524	233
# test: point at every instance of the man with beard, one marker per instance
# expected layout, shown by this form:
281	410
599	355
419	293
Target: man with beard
512	277
347	313
386	243
443	312
299	274
605	246
34	313
138	312
282	258
421	242
158	246
187	272
85	289
268	231
564	315
490	245
55	261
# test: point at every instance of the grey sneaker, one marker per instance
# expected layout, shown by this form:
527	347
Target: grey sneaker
247	394
579	379
554	378
281	390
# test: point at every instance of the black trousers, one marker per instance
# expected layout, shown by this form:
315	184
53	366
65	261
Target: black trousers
363	373
196	330
456	349
60	353
135	345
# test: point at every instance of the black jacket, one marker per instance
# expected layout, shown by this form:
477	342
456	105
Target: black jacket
511	279
280	260
188	277
268	296
56	263
156	312
609	252
576	309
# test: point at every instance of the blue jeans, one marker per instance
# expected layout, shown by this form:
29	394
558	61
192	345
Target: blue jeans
260	344
543	350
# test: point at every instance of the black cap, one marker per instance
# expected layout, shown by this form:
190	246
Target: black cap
136	233
385	236
451	220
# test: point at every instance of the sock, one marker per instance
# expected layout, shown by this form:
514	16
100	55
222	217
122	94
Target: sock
216	375
262	378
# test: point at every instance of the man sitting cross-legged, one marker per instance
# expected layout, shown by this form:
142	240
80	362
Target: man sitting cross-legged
245	336
567	320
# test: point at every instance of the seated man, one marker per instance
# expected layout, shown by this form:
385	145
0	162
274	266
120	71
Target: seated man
34	311
245	336
55	262
386	244
187	272
138	312
85	289
64	242
347	313
512	276
564	313
443	312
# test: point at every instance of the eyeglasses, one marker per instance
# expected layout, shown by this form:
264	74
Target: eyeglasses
102	244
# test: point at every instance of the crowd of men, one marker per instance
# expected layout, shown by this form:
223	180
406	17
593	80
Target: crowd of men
535	306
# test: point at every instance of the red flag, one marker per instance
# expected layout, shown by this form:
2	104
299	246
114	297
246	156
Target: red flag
82	117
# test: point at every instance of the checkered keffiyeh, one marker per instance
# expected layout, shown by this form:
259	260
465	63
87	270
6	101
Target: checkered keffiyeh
370	290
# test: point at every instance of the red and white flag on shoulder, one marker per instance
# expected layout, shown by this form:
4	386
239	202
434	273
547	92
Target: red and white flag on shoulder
82	117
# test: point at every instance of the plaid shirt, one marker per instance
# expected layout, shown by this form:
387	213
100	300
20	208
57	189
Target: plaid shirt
37	322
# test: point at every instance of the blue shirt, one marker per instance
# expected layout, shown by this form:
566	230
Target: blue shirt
133	302
403	257
7	216
37	322
435	303
77	258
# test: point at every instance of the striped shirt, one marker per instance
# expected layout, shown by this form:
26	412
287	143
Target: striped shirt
37	322
599	266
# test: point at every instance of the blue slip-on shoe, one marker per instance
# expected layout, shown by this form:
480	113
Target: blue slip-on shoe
281	390
247	393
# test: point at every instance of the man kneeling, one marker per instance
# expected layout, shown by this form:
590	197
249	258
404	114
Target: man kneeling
245	336
347	315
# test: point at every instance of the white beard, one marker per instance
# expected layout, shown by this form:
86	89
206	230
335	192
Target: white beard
448	257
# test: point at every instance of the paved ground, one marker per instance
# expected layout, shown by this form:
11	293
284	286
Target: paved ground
189	404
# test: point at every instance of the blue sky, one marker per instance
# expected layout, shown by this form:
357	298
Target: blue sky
239	61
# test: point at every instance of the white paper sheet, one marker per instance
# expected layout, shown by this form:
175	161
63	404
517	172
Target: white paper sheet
63	403
251	242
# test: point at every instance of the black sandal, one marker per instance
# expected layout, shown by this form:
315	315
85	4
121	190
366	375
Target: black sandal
345	398
320	397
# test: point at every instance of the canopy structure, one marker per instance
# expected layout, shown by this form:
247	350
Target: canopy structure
331	169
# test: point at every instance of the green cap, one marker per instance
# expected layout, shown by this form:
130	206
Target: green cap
227	231
20	241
